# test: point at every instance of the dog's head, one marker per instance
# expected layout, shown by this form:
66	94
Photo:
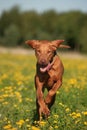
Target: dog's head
45	50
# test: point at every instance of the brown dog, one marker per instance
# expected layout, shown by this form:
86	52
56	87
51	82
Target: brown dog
49	71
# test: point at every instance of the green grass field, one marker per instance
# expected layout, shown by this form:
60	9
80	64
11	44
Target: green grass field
17	95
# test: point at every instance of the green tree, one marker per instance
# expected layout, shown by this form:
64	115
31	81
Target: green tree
83	39
70	26
9	17
12	36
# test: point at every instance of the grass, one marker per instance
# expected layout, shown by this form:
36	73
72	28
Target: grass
17	96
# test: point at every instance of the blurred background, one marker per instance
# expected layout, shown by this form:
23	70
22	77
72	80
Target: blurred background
21	20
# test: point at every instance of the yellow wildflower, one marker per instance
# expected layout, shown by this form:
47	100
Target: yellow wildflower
5	119
18	95
35	128
55	121
56	127
61	104
5	95
19	82
42	123
77	121
28	126
4	76
15	105
73	81
20	122
9	122
5	103
56	116
57	92
28	99
75	115
85	123
13	129
27	120
85	113
78	115
7	127
67	110
51	128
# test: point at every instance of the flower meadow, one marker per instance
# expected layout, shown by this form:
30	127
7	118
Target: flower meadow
17	95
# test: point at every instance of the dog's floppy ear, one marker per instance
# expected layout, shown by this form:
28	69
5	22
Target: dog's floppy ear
56	43
32	43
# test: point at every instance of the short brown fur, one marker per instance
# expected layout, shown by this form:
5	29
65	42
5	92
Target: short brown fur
49	72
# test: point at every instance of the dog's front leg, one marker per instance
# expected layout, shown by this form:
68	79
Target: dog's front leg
41	106
50	98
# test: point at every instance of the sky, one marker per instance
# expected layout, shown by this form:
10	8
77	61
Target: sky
44	5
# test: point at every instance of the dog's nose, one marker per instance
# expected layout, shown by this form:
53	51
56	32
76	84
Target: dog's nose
43	62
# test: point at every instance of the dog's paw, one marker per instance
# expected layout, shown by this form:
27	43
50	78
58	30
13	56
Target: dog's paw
46	111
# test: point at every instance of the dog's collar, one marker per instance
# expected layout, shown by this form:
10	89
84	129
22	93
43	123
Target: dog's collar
52	60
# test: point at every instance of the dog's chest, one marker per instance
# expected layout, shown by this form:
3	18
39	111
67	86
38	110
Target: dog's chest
51	81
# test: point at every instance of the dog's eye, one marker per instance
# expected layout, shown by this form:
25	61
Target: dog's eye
49	51
38	51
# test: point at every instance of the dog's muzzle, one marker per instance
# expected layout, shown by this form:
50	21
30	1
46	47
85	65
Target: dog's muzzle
43	69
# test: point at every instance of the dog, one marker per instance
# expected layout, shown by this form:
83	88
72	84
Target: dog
49	72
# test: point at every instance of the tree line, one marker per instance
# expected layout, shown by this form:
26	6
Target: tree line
17	26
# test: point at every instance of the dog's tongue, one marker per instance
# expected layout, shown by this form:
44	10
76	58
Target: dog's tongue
47	68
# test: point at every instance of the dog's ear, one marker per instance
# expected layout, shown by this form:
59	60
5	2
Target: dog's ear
56	43
32	43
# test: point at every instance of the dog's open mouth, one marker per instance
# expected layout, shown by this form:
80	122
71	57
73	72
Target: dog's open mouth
45	68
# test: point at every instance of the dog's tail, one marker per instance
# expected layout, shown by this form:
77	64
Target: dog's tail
64	46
